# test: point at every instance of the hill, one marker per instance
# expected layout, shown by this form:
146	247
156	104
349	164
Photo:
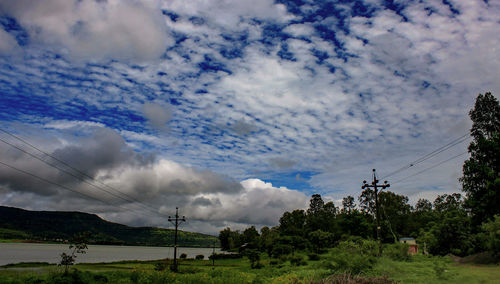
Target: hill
57	226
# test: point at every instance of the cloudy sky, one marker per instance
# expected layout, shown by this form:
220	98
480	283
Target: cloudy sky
235	111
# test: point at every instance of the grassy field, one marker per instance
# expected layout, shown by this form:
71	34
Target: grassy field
418	269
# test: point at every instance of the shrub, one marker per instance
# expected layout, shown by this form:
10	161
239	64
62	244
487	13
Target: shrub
313	256
369	247
225	256
346	262
281	249
492	235
254	257
134	276
346	278
298	260
200	257
398	252
160	266
183	256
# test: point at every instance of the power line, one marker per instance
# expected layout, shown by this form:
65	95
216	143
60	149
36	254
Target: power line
54	183
65	187
128	199
430	155
73	175
431	167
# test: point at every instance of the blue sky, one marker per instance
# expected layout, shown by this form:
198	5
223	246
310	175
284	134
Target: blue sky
237	111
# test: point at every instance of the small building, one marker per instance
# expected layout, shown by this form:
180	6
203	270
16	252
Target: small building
412	245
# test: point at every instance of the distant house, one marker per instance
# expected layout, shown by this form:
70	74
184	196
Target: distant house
412	245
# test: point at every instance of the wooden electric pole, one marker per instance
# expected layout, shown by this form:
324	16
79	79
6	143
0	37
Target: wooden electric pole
175	221
376	186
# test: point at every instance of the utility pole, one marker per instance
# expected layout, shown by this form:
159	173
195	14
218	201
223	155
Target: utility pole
175	221
376	186
213	257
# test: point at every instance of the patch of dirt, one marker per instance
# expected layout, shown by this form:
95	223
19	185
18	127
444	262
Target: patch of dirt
478	258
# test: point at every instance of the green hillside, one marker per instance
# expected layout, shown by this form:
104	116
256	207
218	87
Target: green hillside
53	226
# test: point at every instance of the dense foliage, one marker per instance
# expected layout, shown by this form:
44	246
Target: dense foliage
481	179
440	227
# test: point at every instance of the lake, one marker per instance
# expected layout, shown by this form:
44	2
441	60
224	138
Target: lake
51	253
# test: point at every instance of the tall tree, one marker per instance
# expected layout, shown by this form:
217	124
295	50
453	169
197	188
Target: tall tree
315	205
348	204
481	172
292	224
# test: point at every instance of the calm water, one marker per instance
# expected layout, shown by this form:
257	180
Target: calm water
20	252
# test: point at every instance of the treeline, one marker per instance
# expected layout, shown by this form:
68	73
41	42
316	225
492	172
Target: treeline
452	223
441	227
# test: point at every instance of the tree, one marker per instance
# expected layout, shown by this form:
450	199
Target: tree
481	172
315	205
230	240
450	232
292	224
348	204
394	214
321	240
268	238
254	257
447	202
251	236
319	215
492	235
367	201
78	245
423	205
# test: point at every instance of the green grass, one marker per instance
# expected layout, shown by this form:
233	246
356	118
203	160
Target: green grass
419	269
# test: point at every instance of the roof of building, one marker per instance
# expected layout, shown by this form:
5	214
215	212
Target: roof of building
406	239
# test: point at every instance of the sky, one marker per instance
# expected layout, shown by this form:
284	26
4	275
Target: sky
235	111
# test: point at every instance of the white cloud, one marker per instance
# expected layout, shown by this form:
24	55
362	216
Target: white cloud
229	13
122	30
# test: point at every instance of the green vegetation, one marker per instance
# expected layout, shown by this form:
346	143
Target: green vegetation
53	226
352	260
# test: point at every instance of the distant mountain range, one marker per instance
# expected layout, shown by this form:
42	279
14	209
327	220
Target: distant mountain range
59	226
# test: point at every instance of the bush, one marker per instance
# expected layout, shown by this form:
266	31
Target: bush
200	257
281	249
76	277
492	235
160	266
346	262
313	256
254	257
225	256
398	252
298	260
346	278
183	256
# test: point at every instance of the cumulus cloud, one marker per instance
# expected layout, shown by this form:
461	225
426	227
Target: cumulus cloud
90	29
157	115
259	203
134	180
